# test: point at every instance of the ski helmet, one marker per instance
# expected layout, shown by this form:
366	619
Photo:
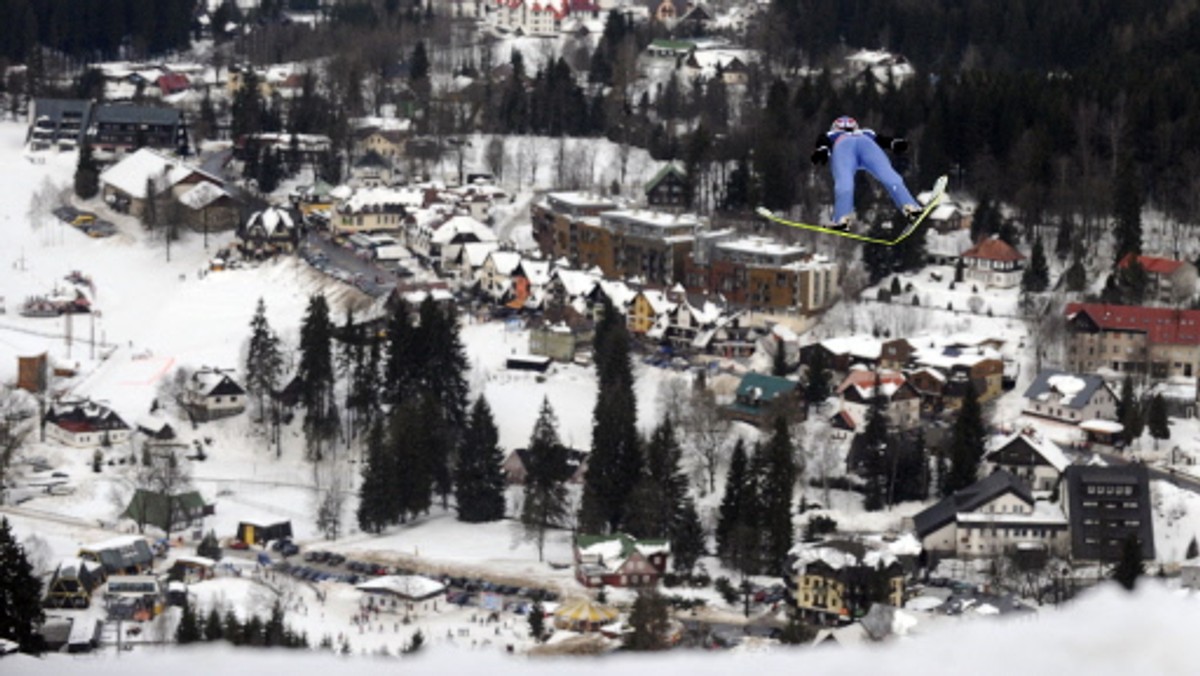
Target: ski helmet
844	123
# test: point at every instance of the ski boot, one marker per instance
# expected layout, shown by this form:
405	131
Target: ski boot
842	224
912	212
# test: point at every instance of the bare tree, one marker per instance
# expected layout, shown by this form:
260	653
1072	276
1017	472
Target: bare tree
167	476
17	421
331	499
705	432
823	453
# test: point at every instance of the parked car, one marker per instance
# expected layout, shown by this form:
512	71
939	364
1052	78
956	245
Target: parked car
238	544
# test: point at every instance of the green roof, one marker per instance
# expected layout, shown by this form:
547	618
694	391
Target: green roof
668	168
628	542
152	508
769	387
683	45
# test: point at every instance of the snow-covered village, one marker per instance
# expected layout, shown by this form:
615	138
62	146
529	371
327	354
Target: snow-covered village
488	334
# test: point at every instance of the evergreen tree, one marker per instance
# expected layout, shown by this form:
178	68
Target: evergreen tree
1065	240
479	478
443	377
274	629
264	362
687	539
778	483
231	628
209	547
779	365
316	372
1129	411
1193	550
615	461
733	506
877	440
817	386
1076	274
270	171
545	503
1127	208
401	373
1036	277
87	173
1130	567
363	391
214	630
1156	419
649	621
376	506
247	107
188	630
20	594
966	444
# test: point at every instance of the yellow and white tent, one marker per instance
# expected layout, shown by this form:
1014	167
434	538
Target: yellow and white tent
583	614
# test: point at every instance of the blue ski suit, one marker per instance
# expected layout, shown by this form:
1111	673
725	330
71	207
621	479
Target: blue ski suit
849	151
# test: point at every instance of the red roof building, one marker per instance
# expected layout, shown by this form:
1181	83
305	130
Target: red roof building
1152	264
1170	281
1161	341
994	262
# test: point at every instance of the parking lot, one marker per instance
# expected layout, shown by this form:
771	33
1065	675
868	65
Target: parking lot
348	266
321	566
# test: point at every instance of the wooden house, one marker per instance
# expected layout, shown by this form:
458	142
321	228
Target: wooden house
619	560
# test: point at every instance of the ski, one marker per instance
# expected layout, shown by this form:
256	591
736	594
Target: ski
938	192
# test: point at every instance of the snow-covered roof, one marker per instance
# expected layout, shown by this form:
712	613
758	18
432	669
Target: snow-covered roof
206	382
368	199
131	174
504	262
537	272
658	301
462	226
407	586
1048	450
575	282
951	357
863	382
838	554
1101	426
864	347
202	195
475	253
273	220
1074	389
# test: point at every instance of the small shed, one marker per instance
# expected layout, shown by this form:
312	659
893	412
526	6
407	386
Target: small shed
255	533
528	362
1104	433
72	584
192	569
123	555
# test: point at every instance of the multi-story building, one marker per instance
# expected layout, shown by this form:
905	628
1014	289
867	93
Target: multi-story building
839	580
995	263
373	210
1070	398
760	272
84	424
110	128
1169	280
901	401
1030	457
558	219
57	123
1106	506
1127	339
991	517
119	129
983	367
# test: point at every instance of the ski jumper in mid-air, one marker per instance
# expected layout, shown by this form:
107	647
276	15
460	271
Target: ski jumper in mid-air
849	148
